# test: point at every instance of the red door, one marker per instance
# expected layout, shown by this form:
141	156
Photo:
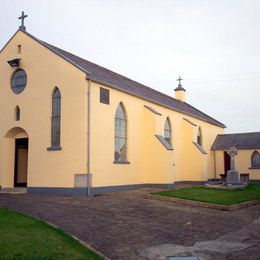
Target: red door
226	162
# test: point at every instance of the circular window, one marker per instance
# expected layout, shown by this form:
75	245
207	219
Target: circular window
18	81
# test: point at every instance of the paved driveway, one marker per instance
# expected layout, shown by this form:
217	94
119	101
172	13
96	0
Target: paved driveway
131	225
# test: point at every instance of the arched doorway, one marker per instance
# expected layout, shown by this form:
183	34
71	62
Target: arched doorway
15	168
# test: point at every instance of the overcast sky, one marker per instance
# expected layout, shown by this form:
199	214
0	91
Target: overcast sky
213	45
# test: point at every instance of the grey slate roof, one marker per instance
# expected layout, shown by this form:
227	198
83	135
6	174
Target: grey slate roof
107	77
240	141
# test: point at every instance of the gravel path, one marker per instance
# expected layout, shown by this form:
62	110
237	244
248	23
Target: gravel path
131	225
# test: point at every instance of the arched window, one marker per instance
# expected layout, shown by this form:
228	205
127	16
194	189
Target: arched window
167	130
120	154
199	137
17	113
255	159
55	119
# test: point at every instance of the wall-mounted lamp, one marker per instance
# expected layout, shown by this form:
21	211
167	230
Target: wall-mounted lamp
14	62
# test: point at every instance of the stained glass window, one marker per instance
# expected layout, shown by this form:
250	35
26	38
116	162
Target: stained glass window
17	113
120	135
199	137
167	130
56	118
255	159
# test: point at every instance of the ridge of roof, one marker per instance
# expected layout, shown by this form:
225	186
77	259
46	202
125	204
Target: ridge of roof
112	79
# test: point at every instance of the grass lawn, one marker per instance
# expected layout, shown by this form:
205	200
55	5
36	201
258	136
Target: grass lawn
23	237
224	197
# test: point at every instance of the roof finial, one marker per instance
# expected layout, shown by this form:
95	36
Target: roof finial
179	85
180	91
22	17
179	79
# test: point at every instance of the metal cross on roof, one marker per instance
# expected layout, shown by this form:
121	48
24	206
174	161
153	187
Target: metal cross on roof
179	79
22	17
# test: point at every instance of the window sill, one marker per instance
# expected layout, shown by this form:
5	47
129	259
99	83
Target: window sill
200	148
254	168
122	162
164	142
54	148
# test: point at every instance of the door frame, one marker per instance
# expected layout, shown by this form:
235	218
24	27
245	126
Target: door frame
24	144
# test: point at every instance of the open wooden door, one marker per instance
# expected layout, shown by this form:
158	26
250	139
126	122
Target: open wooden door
226	162
21	162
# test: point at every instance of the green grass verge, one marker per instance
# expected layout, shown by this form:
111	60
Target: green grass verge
23	237
223	197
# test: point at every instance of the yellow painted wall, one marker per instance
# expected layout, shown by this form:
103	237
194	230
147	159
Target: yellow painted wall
149	161
242	163
45	70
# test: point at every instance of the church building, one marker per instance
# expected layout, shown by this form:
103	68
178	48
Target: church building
70	126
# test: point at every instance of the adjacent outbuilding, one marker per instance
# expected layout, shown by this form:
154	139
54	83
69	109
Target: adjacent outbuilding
248	158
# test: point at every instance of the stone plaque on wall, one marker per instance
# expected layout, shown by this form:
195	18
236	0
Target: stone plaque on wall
80	180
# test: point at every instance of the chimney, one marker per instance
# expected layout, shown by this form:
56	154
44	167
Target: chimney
180	91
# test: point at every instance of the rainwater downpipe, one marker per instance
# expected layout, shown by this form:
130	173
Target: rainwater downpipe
89	177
